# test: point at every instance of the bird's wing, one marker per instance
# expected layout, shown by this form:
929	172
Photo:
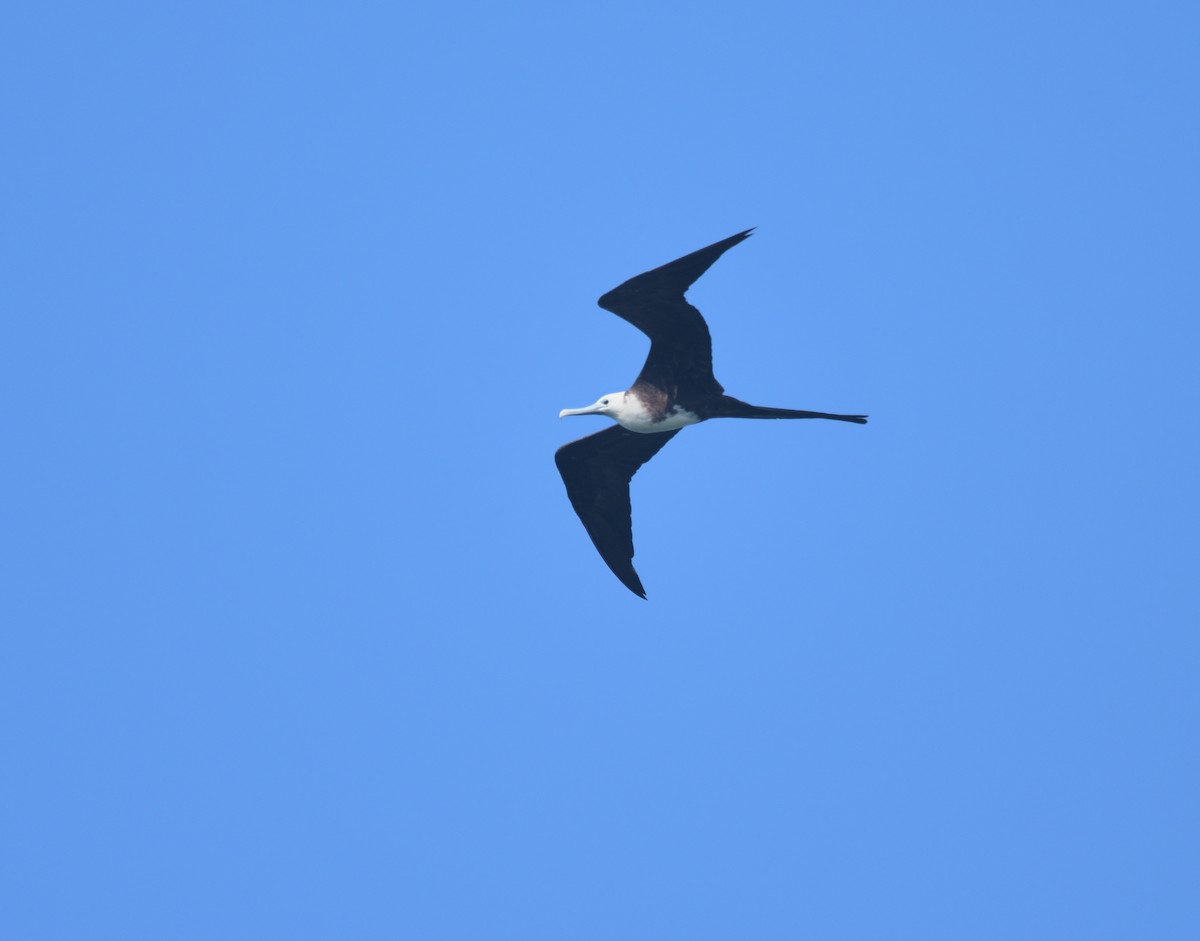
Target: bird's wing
597	470
680	344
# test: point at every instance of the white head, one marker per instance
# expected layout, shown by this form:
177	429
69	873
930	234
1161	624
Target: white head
609	405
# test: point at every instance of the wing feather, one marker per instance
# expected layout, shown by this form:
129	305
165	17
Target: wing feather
680	357
597	471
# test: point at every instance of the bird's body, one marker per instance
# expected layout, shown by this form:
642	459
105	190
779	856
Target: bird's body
675	388
645	414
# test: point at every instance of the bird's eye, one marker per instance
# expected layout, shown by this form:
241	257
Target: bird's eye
605	402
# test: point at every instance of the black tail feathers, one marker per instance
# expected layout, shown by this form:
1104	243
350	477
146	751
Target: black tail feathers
735	408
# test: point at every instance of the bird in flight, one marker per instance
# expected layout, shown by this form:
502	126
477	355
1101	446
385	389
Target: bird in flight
675	388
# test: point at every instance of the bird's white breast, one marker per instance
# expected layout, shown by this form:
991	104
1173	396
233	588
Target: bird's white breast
634	415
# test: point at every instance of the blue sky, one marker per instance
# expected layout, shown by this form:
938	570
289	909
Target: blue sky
303	639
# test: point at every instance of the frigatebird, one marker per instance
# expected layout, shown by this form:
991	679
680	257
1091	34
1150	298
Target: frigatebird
675	388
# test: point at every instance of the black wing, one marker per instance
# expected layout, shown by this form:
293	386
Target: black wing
680	360
597	470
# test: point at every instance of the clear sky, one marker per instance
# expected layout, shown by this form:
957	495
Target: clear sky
301	636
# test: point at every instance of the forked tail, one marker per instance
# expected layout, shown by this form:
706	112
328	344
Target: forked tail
736	408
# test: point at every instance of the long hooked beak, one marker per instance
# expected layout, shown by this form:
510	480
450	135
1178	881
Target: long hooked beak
590	410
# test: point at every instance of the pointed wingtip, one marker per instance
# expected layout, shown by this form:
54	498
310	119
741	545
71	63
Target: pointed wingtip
673	278
631	581
725	244
629	578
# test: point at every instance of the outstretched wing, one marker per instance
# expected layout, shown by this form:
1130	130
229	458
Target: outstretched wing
680	360
597	470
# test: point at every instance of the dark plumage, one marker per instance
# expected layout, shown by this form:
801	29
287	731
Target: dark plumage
676	387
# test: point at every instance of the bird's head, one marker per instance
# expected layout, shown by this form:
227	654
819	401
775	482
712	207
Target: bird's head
605	405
